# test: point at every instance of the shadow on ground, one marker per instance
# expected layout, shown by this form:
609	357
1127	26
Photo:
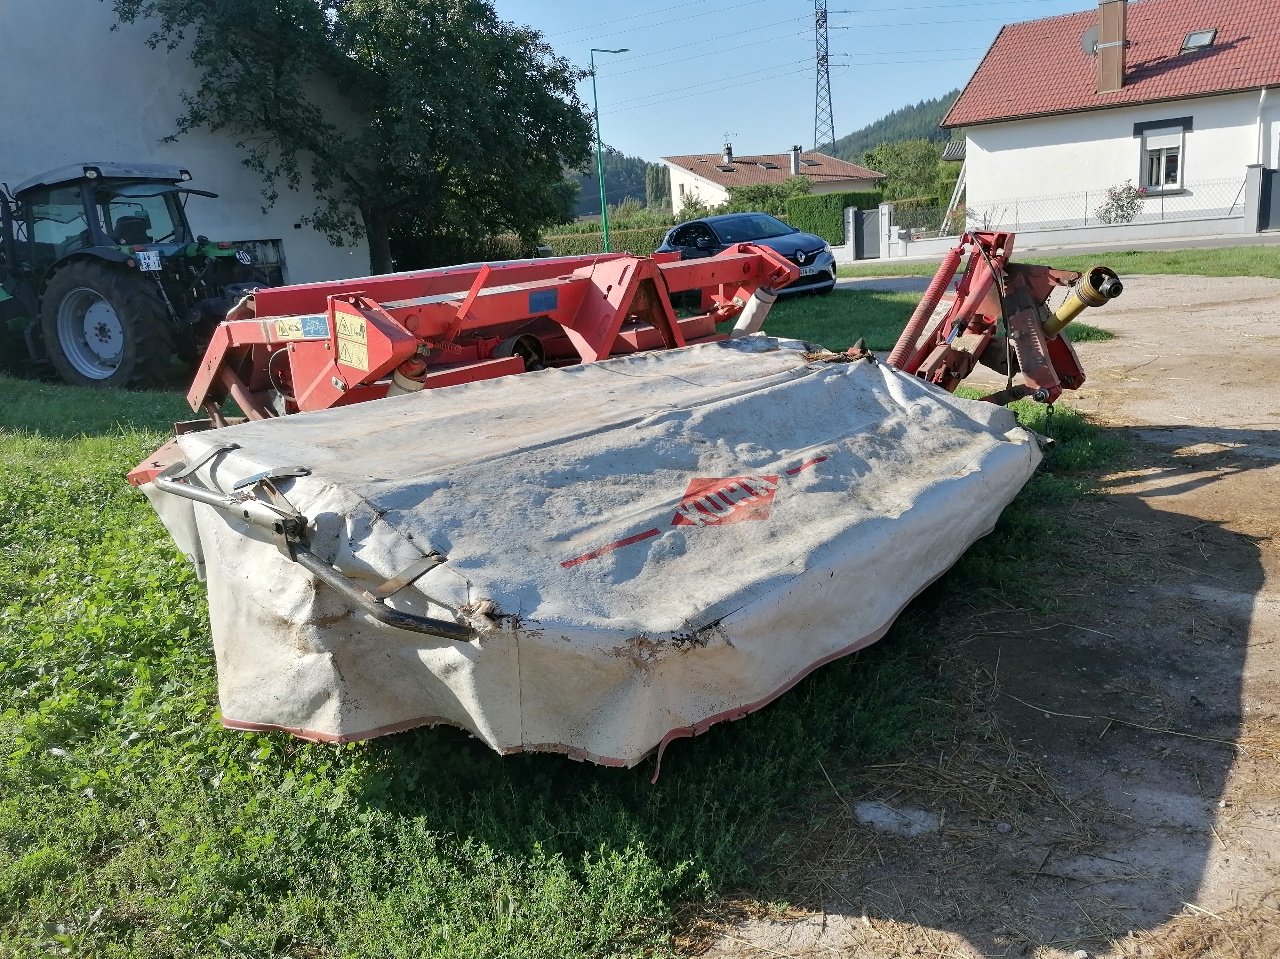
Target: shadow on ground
1107	758
57	411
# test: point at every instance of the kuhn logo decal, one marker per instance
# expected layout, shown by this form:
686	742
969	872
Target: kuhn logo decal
711	501
732	499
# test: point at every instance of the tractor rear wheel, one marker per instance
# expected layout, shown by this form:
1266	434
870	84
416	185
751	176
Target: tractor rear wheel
106	327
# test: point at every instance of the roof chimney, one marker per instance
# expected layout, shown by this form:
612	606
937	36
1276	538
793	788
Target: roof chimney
795	161
728	153
1111	45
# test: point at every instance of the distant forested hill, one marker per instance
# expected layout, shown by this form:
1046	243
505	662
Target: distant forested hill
624	178
909	123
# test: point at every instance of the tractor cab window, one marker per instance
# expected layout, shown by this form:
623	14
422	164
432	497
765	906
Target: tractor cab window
56	224
134	214
57	216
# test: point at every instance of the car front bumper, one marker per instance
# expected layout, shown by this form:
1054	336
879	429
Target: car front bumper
818	273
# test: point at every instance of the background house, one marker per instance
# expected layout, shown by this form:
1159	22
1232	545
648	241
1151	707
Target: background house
73	90
707	177
1171	95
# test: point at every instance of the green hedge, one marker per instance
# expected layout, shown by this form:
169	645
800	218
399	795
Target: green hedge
632	241
823	215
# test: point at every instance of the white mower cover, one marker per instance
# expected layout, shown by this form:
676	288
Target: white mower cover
645	546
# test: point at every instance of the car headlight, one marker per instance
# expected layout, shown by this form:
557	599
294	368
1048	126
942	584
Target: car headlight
826	248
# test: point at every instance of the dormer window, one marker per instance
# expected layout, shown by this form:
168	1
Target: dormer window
1198	40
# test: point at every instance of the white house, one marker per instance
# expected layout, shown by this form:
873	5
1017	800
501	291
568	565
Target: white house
1170	96
707	177
73	90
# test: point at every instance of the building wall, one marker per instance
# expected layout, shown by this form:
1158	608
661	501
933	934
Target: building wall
685	186
1091	151
1269	130
713	194
71	90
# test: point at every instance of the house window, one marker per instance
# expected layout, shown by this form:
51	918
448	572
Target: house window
1162	159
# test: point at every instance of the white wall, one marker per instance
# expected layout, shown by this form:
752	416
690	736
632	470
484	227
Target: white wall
707	192
713	194
72	90
1094	150
1269	129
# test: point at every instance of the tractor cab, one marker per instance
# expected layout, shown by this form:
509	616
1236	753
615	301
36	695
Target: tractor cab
103	209
101	261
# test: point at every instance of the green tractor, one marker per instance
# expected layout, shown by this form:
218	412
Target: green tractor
102	280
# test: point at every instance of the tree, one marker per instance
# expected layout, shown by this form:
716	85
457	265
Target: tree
427	118
624	177
910	122
766	197
910	168
657	185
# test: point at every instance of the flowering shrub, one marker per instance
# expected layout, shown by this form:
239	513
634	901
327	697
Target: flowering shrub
1123	203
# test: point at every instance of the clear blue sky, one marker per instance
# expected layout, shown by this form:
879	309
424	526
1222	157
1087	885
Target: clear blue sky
699	70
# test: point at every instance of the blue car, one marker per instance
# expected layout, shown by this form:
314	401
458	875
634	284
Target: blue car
710	235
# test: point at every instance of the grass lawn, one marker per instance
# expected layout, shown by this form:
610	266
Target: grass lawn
840	318
1221	261
133	825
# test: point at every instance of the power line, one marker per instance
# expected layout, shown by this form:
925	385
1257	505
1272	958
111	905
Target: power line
703	44
607	23
659	94
664	99
664	22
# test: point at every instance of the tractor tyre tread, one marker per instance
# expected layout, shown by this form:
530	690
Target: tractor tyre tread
148	334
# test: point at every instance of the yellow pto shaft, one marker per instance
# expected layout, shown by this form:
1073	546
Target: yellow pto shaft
1095	288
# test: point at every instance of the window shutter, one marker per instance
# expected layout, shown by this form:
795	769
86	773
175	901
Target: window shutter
1162	139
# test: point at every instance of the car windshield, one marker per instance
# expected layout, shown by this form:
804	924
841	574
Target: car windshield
139	213
750	226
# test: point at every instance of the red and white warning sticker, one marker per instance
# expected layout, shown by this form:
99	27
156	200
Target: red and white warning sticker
712	501
729	499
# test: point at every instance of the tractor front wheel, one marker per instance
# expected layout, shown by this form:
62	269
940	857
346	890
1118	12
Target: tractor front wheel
106	327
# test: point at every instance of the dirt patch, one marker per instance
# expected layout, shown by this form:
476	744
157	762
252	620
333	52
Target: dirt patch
1108	775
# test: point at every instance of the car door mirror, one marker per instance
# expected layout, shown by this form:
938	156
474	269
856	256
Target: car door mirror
705	243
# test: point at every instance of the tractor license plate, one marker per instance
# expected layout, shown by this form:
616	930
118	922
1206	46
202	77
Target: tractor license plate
808	270
149	261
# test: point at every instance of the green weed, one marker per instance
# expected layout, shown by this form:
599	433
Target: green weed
1220	261
1084	333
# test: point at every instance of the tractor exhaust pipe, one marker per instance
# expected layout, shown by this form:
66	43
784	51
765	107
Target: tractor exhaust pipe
1095	288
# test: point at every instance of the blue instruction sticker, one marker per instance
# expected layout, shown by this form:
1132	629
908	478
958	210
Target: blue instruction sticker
315	326
543	301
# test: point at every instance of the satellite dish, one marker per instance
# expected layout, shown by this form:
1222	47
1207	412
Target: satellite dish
1089	42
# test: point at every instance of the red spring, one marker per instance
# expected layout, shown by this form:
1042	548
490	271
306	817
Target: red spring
907	341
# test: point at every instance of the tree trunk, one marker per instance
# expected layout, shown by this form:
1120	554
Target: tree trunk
377	225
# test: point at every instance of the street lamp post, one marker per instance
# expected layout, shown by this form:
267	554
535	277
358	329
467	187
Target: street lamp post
595	112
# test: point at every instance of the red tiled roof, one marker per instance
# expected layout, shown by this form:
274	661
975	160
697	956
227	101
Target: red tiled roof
1038	68
748	172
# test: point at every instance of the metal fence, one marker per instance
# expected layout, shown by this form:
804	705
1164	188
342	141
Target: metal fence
1200	200
923	222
